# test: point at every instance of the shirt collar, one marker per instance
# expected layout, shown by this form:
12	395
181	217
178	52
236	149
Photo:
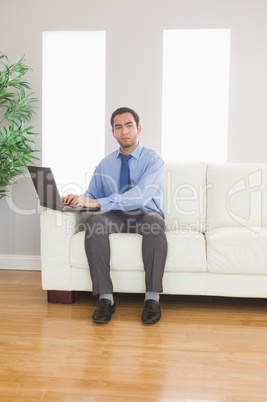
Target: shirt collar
136	152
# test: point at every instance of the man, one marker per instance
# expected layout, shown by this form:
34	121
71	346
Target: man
127	186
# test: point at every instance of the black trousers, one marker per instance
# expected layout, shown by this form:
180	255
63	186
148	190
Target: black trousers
154	246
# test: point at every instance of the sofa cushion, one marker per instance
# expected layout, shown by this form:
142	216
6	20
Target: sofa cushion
126	252
186	251
237	250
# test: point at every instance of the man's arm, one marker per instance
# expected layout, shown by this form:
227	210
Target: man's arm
142	193
148	187
80	201
87	199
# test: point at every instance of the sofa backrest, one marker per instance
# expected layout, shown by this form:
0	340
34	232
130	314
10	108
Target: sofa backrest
236	195
185	196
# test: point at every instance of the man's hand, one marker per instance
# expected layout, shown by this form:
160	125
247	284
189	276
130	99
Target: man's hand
69	198
80	201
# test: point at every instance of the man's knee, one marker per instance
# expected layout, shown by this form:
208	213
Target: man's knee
94	225
151	223
95	221
102	224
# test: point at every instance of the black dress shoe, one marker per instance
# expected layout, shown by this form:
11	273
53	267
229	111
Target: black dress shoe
102	313
151	313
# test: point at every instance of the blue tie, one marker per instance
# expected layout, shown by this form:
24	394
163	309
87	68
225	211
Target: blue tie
125	173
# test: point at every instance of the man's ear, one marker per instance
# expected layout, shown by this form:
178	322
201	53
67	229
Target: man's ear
113	133
139	129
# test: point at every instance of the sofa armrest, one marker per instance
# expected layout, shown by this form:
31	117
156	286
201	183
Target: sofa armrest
57	228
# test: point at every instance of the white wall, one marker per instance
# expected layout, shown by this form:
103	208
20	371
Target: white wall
134	73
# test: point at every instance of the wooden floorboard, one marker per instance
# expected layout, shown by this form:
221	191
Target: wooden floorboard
203	349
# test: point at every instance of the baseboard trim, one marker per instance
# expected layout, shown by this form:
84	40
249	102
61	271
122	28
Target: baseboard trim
20	262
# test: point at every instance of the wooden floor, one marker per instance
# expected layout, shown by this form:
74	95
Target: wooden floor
203	349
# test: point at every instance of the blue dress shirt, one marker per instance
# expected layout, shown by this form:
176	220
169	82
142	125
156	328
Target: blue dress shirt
146	172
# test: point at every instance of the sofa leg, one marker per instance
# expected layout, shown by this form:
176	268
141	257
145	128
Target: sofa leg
61	296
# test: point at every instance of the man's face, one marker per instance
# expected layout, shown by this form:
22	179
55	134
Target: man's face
125	131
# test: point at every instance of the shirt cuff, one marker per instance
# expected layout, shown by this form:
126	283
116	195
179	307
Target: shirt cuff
107	203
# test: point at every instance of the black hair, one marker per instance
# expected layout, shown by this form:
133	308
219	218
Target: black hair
122	110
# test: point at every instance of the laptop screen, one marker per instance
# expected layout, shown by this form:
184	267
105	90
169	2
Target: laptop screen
45	187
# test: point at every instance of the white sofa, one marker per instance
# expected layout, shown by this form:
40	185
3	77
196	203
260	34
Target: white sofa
216	219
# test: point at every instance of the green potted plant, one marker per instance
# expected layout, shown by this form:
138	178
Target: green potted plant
16	110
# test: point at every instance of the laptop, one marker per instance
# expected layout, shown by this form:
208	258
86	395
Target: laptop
47	191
